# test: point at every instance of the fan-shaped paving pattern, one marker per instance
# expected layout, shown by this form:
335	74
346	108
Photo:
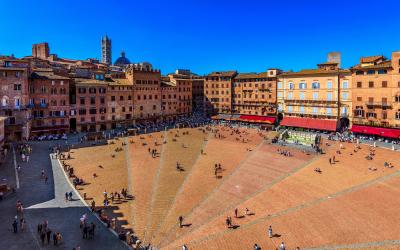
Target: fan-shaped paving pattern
350	204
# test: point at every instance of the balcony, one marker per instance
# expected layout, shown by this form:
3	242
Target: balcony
320	103
265	90
13	107
41	105
379	104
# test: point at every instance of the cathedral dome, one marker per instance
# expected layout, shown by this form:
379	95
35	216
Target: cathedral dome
122	60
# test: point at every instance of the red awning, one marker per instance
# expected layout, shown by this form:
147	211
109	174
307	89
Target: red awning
385	132
310	123
256	118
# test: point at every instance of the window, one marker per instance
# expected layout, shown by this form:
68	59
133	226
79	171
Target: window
81	90
397	98
345	95
384	84
329	111
92	90
359	98
279	85
344	110
370	84
329	85
315	85
384	100
113	98
359	84
345	84
291	85
397	116
370	100
17	102
359	72
290	95
92	100
301	95
17	87
43	89
315	95
92	111
82	111
302	109
302	85
315	110
382	71
290	108
121	98
371	72
102	100
112	110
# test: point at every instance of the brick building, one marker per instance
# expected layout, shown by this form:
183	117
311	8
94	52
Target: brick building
49	99
255	93
14	78
376	94
218	92
147	92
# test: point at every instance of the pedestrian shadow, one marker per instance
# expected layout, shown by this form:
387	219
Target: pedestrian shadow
276	236
235	227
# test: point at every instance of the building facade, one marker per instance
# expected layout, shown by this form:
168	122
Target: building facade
322	94
49	100
14	80
376	91
218	92
255	94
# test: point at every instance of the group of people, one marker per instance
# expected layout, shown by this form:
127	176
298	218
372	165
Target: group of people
284	152
115	196
86	228
45	234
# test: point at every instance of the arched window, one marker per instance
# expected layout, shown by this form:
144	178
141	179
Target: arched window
291	85
4	101
397	98
302	85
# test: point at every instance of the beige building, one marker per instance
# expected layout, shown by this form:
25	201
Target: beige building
315	98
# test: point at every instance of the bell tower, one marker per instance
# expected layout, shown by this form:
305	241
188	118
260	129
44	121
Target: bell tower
106	50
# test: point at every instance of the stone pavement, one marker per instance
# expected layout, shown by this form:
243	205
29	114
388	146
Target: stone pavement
47	202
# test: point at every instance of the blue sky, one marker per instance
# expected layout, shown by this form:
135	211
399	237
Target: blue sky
205	35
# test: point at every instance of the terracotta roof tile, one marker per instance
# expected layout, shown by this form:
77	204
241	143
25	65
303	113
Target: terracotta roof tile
369	59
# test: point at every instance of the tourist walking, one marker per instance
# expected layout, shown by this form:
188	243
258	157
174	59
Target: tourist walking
180	221
15	226
270	232
48	234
